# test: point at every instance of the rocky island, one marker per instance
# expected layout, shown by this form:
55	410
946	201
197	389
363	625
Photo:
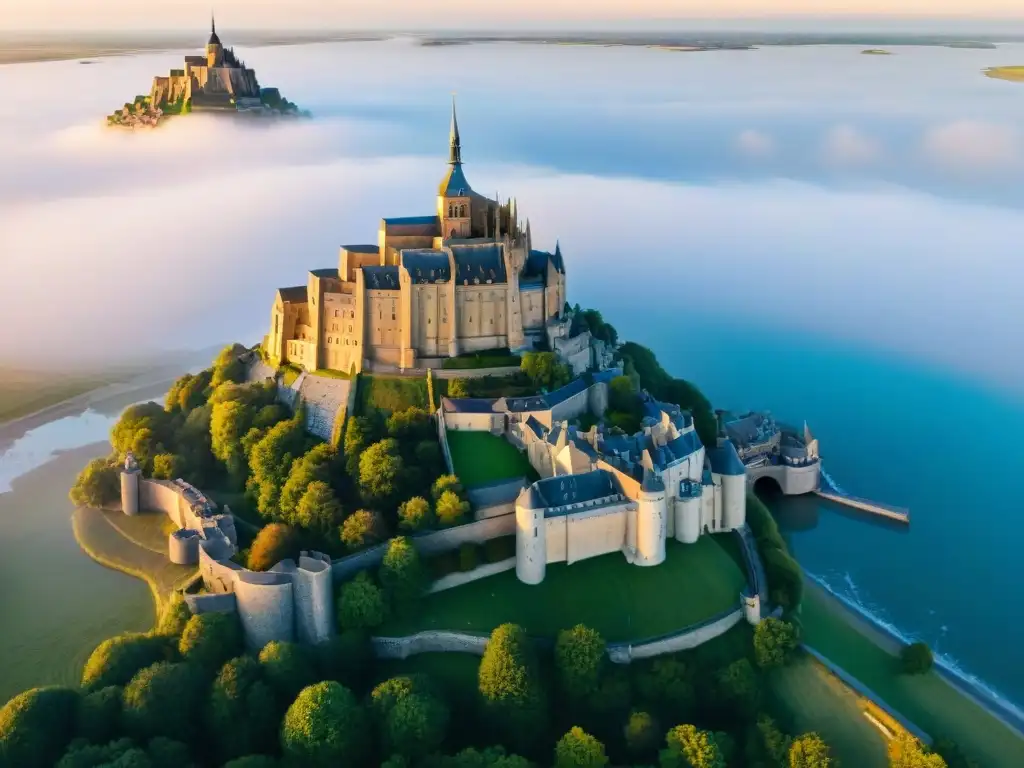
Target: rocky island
216	82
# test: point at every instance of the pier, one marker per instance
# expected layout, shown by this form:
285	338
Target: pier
893	513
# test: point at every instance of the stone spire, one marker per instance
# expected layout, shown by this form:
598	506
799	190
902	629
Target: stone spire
455	143
214	40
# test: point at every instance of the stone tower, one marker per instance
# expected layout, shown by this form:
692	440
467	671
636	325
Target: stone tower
214	50
130	485
454	195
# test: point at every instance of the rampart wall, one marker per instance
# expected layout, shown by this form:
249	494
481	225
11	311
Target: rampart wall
684	639
480	572
442	437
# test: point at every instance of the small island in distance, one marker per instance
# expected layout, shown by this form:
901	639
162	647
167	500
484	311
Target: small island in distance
216	82
876	52
1014	74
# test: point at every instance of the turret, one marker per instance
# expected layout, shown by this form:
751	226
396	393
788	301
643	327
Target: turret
687	511
531	539
726	464
130	485
651	521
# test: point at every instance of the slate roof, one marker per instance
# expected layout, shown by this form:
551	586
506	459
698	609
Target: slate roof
575	489
685	445
562	394
454	183
381	278
362	248
426	265
324	272
725	460
294	294
470	405
535	427
479	262
413	225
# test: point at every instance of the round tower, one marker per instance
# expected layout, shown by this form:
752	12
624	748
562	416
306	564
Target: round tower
130	485
688	512
531	542
314	618
651	524
734	498
751	608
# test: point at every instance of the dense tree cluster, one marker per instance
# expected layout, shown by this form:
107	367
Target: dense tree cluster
545	371
916	658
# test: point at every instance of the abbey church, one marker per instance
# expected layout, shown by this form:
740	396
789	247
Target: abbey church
463	279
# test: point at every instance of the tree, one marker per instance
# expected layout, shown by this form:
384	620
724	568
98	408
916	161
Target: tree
579	748
457	388
740	687
402	574
907	752
621	394
360	432
270	460
193	441
346	658
544	370
174	618
415	514
641	734
690	747
361	604
579	660
775	641
509	682
241	714
168	466
274	543
380	473
362	529
772	744
97	486
451	510
227	367
98	714
288	667
492	757
319	509
168	753
253	761
809	751
410	717
117	659
229	423
162	700
428	456
36	726
188	392
123	753
145	429
916	659
313	467
667	686
325	727
411	425
446	483
210	639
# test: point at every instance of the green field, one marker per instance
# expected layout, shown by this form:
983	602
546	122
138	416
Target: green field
24	392
481	458
817	701
619	600
927	700
391	393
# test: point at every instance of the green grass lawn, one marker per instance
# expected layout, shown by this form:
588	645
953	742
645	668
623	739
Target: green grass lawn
391	393
481	458
817	701
927	700
619	600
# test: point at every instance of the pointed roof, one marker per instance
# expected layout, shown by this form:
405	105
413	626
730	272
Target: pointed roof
454	183
214	40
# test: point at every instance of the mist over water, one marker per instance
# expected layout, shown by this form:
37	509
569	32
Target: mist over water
833	236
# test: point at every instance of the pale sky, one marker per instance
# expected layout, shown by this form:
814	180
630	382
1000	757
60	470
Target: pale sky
340	14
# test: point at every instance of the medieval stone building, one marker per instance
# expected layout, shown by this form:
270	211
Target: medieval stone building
463	279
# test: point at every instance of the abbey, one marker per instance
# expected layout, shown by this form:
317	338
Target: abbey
463	279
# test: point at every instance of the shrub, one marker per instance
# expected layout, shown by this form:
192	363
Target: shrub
210	639
468	556
511	688
98	713
775	641
36	726
175	617
401	572
501	548
916	658
98	485
117	659
288	667
361	603
415	514
579	748
242	713
325	726
446	483
579	660
162	700
274	543
346	658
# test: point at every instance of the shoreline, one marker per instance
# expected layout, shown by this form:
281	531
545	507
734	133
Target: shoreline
890	642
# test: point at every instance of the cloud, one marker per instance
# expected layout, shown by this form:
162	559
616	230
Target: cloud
973	146
755	144
845	146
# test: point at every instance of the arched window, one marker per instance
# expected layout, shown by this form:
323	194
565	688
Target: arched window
451	210
462	210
